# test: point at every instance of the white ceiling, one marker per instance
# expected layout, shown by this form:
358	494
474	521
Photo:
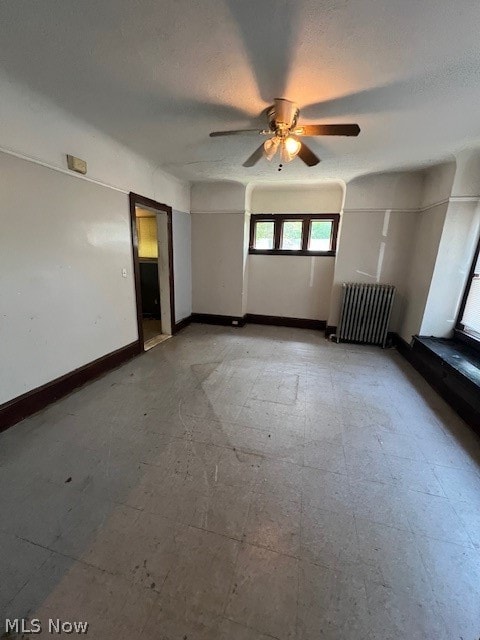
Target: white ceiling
159	75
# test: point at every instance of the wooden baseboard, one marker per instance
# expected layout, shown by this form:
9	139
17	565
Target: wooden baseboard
182	324
226	321
402	346
330	330
280	321
25	405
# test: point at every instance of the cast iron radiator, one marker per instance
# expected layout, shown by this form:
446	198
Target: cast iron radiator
365	314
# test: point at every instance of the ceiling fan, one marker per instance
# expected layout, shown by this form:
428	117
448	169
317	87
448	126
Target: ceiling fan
283	132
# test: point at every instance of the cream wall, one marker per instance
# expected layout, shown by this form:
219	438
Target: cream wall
374	247
402	228
292	286
425	243
217	263
65	240
377	227
182	263
63	301
320	198
453	261
219	221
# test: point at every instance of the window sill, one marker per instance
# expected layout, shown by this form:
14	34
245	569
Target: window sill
286	252
467	338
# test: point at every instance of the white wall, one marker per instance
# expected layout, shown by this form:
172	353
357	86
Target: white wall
443	247
452	265
34	126
217	263
65	239
224	197
400	190
425	243
292	286
377	227
182	264
374	246
63	300
308	198
219	223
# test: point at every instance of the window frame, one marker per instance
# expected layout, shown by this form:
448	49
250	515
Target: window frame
278	219
460	332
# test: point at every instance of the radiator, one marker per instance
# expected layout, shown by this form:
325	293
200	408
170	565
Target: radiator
366	311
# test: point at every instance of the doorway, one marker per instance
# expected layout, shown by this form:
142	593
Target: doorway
152	244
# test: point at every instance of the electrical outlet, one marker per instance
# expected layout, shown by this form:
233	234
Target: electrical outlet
124	273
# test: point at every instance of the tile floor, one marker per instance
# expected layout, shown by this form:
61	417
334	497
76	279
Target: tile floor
246	484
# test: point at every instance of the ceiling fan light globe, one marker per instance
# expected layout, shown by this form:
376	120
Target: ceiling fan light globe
270	147
289	149
292	145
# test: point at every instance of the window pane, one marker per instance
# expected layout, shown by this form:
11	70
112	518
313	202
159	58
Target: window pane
471	315
320	235
292	235
264	235
147	237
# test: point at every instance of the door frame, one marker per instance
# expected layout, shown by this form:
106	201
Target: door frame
137	200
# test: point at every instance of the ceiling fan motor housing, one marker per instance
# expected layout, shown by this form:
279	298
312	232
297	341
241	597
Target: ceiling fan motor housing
282	116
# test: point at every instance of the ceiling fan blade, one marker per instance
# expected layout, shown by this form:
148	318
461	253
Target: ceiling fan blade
328	130
216	134
307	155
255	157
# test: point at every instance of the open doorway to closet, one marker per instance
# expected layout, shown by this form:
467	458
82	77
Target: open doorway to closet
153	268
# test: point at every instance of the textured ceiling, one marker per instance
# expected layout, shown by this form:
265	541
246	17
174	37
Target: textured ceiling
159	75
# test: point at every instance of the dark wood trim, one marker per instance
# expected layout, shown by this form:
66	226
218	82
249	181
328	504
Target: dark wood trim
330	330
306	218
182	324
171	278
137	200
306	227
280	321
211	318
401	345
466	338
278	235
287	252
136	266
253	318
36	399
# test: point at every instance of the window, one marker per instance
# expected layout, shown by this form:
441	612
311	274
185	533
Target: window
264	235
296	234
320	235
291	235
470	309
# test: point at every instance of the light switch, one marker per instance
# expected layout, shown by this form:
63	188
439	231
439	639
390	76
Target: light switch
124	273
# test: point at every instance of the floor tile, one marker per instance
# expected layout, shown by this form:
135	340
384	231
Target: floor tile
332	605
246	484
274	523
454	573
399	614
433	516
200	574
325	490
329	539
264	592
